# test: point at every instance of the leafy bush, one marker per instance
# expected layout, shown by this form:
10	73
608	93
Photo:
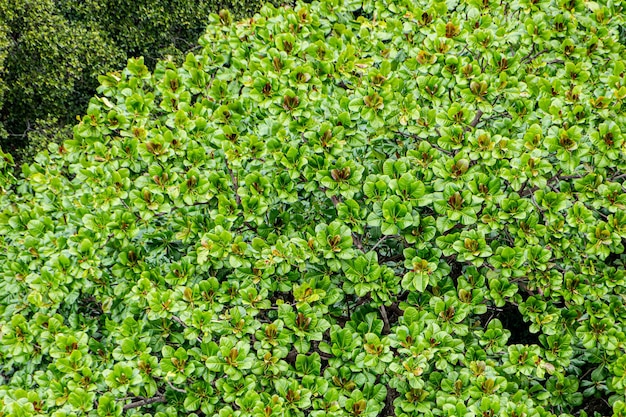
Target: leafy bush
57	48
348	208
52	65
153	28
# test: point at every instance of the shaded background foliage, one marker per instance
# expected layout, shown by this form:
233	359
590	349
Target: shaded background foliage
51	65
51	52
4	43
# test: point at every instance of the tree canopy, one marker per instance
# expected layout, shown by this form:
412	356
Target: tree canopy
345	208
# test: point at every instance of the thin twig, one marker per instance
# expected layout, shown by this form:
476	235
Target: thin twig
532	50
145	401
552	187
532	198
521	190
383	313
361	301
179	321
182	323
234	181
408	135
182	391
465	48
357	242
599	213
137	215
619	177
25	133
531	58
528	191
381	240
586	373
194	48
564	178
504	114
325	355
490	318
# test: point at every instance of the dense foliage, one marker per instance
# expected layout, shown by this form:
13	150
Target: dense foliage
51	63
153	28
55	50
349	208
4	43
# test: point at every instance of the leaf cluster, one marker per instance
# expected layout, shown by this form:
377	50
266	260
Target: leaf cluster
52	51
329	210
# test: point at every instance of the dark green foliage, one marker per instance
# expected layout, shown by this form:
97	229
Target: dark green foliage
55	49
44	133
4	46
152	28
52	64
350	208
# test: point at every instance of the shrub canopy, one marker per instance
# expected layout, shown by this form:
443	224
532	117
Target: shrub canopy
55	50
349	208
51	63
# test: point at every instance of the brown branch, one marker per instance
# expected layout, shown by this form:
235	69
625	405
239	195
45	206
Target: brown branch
568	177
381	240
383	313
619	177
504	114
361	301
137	215
508	237
335	199
534	201
533	57
396	309
408	135
475	56
476	120
234	181
393	258
176	388
179	321
182	323
325	355
524	192
144	401
532	50
357	242
389	409
521	190
528	191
